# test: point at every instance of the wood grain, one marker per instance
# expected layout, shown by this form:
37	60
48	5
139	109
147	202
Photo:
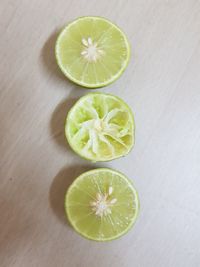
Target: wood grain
161	84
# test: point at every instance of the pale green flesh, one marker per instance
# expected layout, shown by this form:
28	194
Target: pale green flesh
109	38
100	127
123	212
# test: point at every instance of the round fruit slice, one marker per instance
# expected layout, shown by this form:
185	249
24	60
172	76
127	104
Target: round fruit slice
102	204
100	127
92	51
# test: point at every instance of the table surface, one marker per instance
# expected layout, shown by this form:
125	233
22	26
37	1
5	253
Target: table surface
161	84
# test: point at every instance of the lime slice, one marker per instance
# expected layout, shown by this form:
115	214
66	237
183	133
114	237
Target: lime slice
102	204
92	51
100	127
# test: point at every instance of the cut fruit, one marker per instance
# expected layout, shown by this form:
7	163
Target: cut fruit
102	204
100	127
92	51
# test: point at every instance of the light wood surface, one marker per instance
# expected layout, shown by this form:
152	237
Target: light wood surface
161	84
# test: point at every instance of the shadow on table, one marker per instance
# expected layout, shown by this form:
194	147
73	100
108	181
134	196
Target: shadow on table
49	60
59	186
57	123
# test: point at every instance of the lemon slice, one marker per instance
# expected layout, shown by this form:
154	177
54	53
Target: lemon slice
102	204
92	51
100	127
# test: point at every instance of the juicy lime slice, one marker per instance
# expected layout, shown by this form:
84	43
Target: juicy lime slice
92	51
102	204
100	127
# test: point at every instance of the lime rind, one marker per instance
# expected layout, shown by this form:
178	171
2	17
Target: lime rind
137	204
82	83
93	158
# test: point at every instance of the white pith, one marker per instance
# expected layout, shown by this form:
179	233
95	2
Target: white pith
103	203
91	51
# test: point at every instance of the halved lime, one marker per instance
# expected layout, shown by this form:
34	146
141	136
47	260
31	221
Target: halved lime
92	51
100	127
102	204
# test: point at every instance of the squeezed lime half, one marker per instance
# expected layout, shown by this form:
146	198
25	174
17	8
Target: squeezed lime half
102	204
100	127
92	51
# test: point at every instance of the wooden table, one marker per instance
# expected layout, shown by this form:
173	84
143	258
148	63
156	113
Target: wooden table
161	84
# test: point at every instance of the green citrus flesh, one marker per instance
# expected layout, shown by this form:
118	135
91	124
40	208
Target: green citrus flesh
92	51
100	127
102	204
